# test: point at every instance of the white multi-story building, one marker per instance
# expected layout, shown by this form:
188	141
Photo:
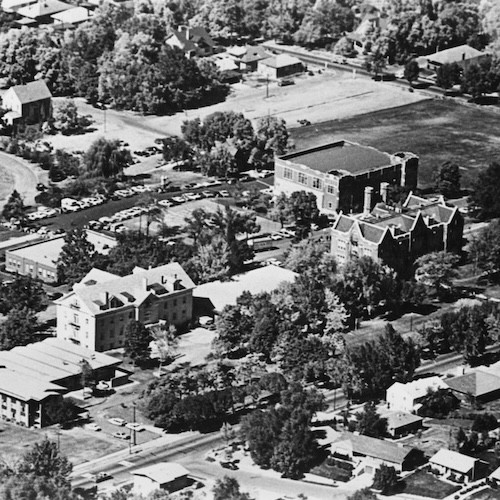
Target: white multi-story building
95	314
404	397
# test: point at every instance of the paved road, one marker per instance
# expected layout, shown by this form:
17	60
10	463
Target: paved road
21	176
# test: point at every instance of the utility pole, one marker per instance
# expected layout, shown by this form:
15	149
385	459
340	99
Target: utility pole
133	406
267	86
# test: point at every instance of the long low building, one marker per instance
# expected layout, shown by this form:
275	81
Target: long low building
39	259
32	376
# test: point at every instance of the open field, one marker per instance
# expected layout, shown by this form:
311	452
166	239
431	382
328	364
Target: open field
426	485
326	96
435	130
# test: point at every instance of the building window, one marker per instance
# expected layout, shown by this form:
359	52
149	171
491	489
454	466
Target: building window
302	178
130	315
317	183
174	316
184	300
287	173
175	302
75	319
121	317
330	189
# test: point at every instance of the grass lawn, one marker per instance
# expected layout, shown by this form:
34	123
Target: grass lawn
486	494
331	472
432	439
426	485
435	130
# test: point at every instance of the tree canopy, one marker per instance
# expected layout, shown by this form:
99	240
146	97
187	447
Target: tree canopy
76	258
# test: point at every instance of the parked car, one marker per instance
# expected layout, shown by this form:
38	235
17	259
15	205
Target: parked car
276	236
121	435
285	82
134	426
54	295
229	465
178	199
101	476
117	421
165	203
208	194
93	427
224	194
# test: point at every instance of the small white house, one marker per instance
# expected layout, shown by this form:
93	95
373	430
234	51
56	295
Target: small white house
450	463
404	397
162	476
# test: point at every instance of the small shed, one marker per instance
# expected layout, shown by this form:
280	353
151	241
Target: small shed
400	423
164	475
280	66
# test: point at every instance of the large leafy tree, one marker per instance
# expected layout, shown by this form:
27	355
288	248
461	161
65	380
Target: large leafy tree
448	75
484	249
385	479
447	180
272	138
14	208
106	158
76	257
228	488
370	423
137	340
484	199
18	329
23	293
437	270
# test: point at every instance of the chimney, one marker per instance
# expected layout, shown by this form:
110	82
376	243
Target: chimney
384	186
368	200
163	280
145	283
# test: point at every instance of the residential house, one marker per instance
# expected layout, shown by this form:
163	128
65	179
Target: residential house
338	173
478	386
193	41
38	374
455	465
248	57
280	66
397	236
405	397
368	453
39	259
97	311
161	476
463	55
400	423
41	12
30	104
72	17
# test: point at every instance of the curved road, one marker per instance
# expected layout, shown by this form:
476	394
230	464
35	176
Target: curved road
20	175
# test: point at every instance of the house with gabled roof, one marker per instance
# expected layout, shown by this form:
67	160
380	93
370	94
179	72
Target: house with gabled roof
480	385
41	12
97	311
406	397
30	103
452	464
368	453
397	236
463	55
193	41
280	66
166	476
248	57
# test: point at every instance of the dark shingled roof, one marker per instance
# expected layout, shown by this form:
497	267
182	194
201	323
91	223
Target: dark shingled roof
375	448
196	35
369	231
254	54
477	383
32	91
347	157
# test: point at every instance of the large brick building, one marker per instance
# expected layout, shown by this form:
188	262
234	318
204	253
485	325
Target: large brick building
97	311
397	237
337	173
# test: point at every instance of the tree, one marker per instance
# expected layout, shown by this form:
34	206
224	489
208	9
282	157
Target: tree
438	404
76	257
411	71
484	249
228	488
106	158
436	270
58	411
45	460
18	329
212	261
272	139
234	327
67	119
265	329
484	199
385	479
447	180
364	494
137	340
23	293
166	341
370	423
88	376
14	208
303	208
448	75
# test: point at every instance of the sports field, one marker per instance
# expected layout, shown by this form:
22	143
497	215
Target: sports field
436	130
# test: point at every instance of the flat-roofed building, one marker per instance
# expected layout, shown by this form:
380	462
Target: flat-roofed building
463	55
338	173
167	476
34	375
97	311
280	66
39	259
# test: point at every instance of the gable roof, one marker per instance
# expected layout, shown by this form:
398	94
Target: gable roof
478	383
373	447
190	38
455	54
132	289
419	388
369	232
26	387
31	91
163	472
453	460
395	420
253	54
42	9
